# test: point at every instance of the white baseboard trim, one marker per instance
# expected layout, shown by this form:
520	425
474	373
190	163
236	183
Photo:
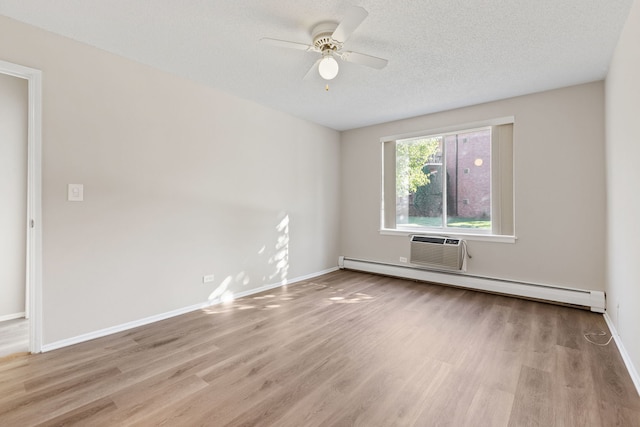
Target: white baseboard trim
119	328
162	316
12	316
623	352
595	300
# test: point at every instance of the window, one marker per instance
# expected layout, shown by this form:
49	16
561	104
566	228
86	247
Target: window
455	181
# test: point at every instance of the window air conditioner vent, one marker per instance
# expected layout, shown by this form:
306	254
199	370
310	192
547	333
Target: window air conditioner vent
441	253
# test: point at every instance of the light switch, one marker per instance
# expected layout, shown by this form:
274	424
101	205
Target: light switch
75	193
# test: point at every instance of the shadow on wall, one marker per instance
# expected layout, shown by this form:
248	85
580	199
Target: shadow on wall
274	260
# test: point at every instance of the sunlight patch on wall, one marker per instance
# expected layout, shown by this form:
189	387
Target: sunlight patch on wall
221	293
268	266
280	258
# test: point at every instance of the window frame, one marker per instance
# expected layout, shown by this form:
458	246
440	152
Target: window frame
499	200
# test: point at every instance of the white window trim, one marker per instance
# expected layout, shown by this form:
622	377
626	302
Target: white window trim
496	238
451	129
407	231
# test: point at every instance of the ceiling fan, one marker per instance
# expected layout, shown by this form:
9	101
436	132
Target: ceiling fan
328	40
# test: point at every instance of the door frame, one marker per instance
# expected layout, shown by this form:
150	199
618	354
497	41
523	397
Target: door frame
33	296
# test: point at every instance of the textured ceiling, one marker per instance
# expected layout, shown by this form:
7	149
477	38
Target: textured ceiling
442	54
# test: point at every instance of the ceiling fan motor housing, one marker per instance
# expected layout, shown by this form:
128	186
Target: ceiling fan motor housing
322	36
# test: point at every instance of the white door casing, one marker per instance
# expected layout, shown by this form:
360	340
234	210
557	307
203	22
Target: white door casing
34	200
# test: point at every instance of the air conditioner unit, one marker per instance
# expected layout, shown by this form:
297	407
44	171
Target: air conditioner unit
441	253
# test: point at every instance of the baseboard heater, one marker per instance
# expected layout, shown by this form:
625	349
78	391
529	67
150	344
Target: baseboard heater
593	300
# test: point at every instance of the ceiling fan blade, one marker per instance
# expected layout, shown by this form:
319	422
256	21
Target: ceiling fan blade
362	59
354	17
313	68
287	44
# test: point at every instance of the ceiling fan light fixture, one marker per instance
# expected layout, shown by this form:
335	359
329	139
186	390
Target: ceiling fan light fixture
328	67
328	39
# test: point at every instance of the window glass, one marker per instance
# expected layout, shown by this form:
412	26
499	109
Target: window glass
469	179
444	181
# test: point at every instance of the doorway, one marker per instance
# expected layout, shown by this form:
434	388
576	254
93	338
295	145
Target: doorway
29	228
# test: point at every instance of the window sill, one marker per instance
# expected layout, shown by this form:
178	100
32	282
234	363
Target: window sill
496	238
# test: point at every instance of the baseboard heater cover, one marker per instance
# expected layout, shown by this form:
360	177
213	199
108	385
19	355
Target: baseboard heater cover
594	300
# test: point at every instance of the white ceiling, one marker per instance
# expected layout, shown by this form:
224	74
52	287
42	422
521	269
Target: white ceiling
442	54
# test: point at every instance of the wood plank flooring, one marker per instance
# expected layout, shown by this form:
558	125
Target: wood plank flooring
343	349
14	337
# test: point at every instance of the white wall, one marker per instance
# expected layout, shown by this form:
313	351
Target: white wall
13	194
623	177
559	189
180	180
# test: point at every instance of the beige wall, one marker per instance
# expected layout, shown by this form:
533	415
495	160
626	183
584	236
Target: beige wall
623	177
180	180
559	189
13	194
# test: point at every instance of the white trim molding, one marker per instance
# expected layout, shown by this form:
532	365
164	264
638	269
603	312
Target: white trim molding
495	238
594	300
12	316
453	128
158	317
33	307
633	372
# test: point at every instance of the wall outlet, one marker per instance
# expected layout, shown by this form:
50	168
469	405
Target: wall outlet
208	278
403	259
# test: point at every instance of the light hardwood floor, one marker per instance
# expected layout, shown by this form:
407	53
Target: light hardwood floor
14	337
342	349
